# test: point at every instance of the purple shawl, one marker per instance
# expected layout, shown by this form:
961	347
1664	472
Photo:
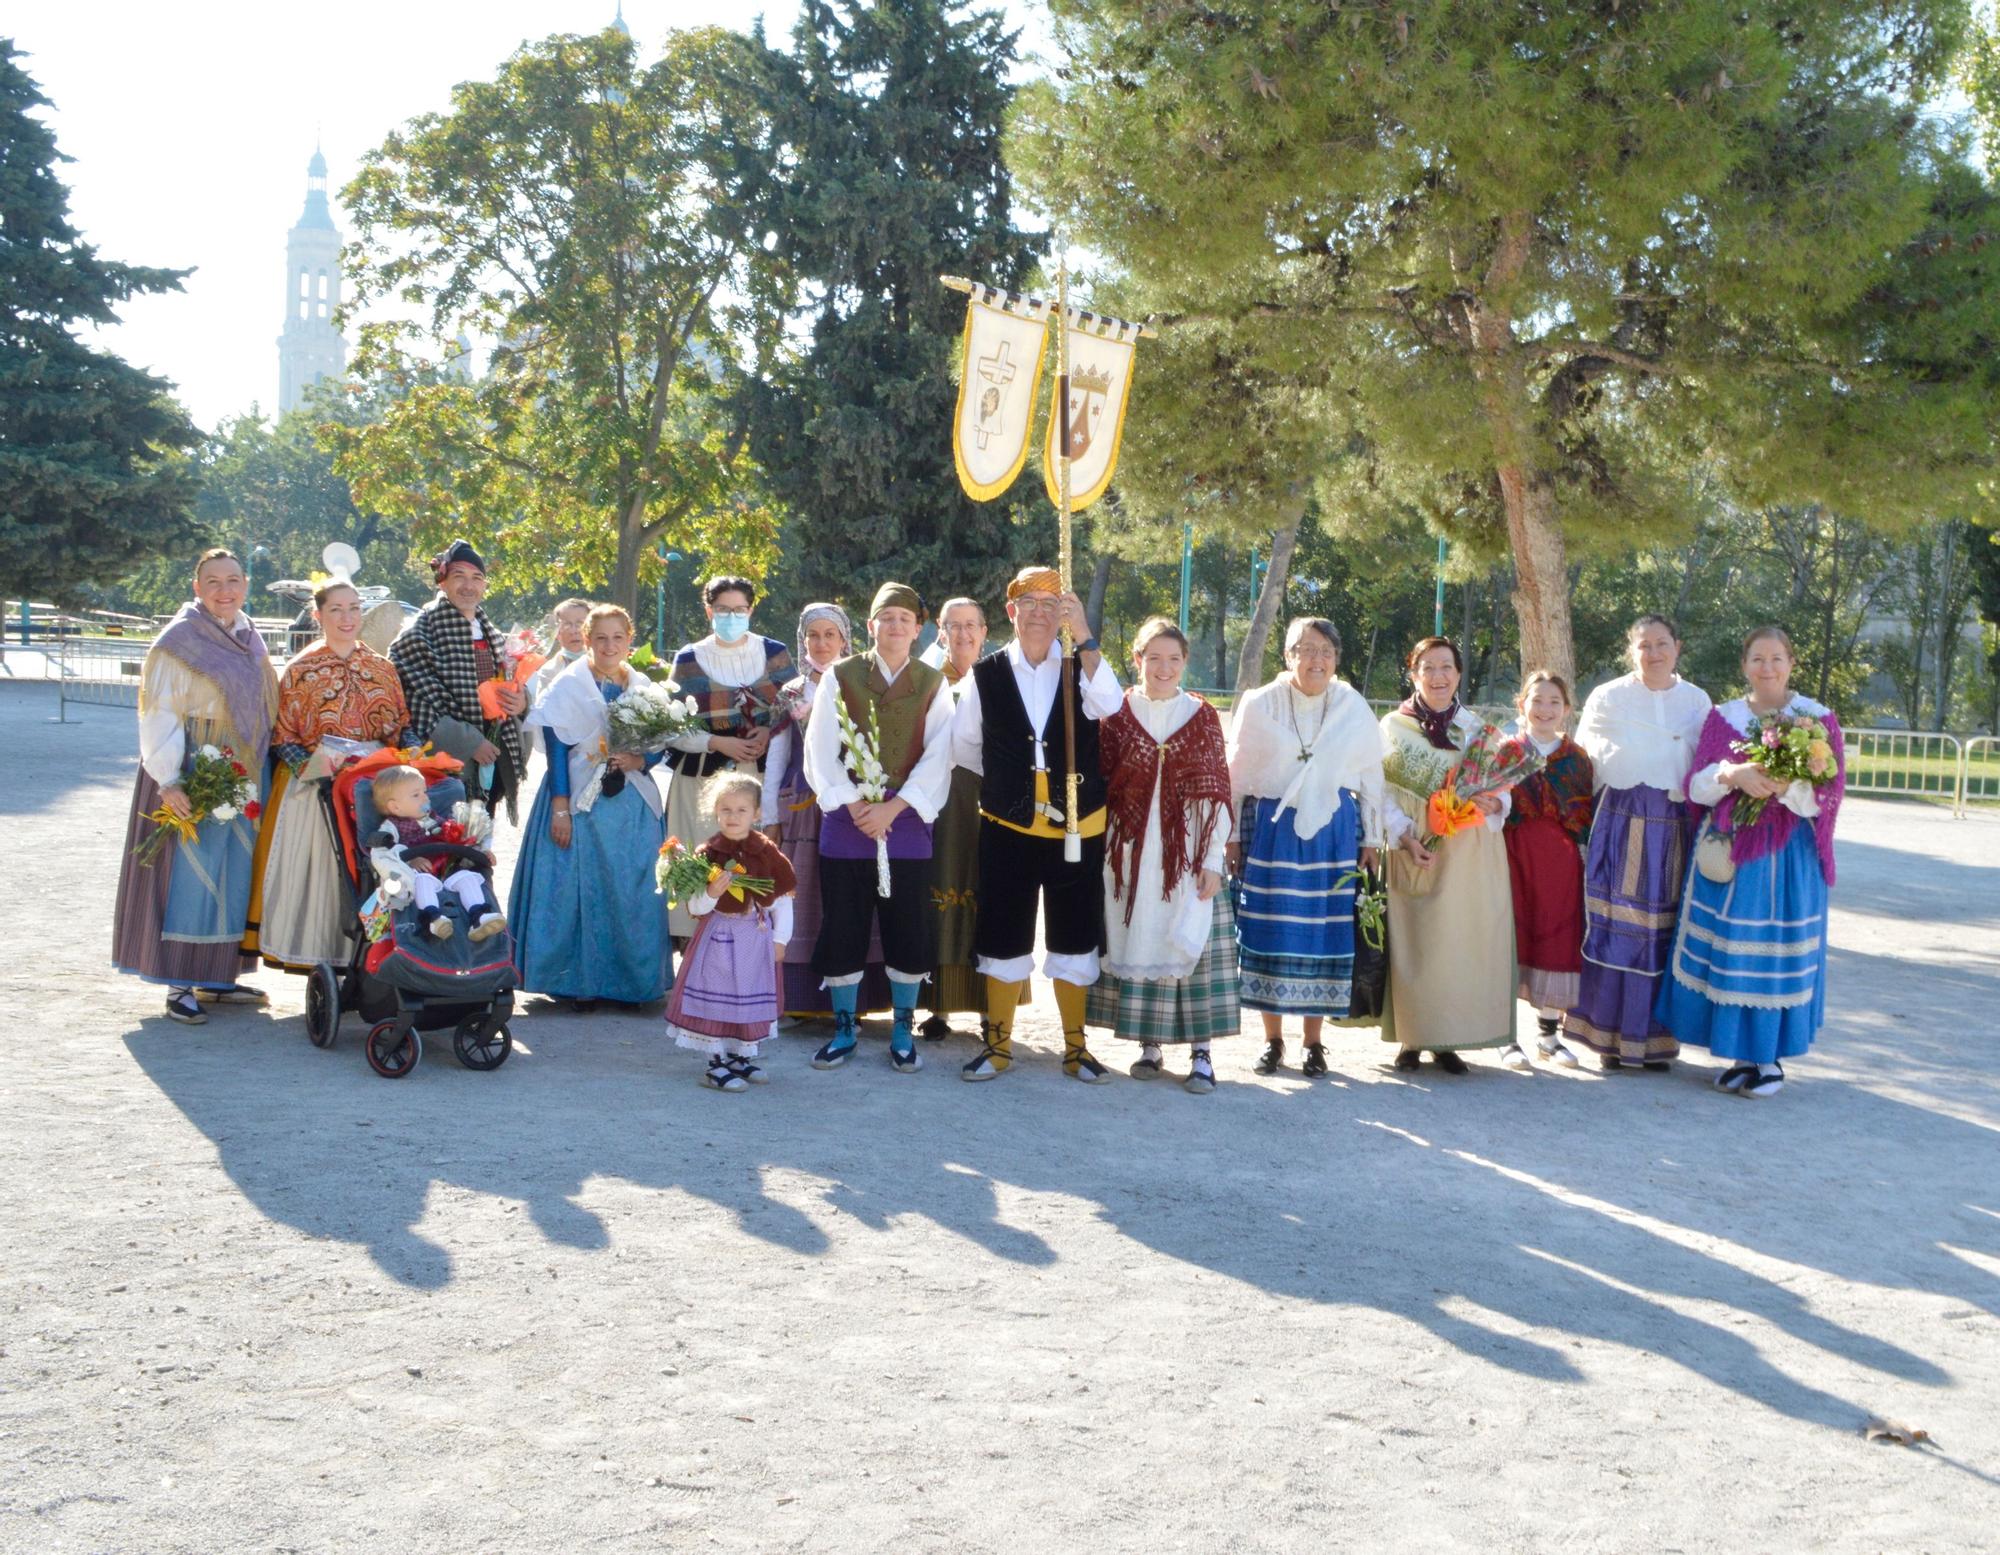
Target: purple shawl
249	690
1772	829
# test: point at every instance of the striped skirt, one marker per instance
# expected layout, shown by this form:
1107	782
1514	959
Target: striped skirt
1295	911
1748	979
1633	875
1196	1008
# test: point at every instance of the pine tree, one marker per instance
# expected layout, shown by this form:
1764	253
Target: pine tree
1530	267
894	112
94	473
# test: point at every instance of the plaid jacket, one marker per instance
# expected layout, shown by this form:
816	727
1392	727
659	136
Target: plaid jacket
440	673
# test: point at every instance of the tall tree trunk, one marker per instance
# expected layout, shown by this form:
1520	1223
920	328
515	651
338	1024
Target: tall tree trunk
624	582
1093	607
1221	637
1541	559
1250	661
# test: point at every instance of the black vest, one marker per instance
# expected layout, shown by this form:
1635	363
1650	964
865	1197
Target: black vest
1008	788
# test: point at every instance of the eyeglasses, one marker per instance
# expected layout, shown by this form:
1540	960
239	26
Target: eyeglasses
1037	604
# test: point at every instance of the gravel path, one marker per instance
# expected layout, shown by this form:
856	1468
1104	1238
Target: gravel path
257	1299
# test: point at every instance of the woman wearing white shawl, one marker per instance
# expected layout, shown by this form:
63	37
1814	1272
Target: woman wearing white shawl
1305	773
588	923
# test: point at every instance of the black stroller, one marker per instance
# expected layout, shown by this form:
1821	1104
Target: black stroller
407	982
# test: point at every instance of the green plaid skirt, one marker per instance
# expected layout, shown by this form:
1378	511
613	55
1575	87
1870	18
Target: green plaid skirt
1197	1008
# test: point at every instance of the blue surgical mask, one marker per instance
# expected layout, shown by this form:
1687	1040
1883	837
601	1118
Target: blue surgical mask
732	626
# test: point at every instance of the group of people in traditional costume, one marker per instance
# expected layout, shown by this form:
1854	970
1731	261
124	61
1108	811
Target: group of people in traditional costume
889	831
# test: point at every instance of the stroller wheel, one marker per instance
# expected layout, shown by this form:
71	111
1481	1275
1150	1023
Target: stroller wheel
322	1006
393	1049
482	1042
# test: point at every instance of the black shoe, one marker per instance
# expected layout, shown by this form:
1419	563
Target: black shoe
1606	1061
1315	1064
1735	1077
1762	1084
1406	1058
181	1006
936	1029
1272	1058
583	1006
1448	1061
1657	1065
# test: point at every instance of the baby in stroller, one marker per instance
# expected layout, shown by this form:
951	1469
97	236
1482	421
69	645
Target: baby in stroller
404	804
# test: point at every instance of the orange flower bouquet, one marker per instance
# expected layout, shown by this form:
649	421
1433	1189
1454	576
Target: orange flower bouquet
515	660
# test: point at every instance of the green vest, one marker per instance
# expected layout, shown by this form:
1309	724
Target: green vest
899	710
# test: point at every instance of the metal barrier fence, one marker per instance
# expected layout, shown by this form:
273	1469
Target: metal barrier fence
1908	762
96	671
1979	766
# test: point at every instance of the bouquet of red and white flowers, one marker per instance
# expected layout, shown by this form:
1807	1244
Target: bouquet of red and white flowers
218	788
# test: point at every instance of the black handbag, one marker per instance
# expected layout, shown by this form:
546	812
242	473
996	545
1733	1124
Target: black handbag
1370	994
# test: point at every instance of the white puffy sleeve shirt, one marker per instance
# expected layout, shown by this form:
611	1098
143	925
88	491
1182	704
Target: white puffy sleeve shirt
1637	736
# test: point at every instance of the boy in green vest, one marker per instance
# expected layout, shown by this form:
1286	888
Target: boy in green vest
894	738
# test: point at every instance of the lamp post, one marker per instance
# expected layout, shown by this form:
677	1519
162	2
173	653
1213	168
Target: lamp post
1437	604
667	559
1187	570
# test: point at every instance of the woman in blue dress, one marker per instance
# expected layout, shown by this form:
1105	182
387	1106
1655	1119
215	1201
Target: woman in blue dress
588	922
1747	979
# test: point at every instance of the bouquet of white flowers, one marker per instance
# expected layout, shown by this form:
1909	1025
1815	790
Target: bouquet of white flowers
864	765
644	718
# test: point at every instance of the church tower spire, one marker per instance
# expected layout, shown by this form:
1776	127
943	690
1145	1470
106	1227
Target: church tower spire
310	348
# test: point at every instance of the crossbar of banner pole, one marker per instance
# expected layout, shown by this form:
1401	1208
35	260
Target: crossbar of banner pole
1081	316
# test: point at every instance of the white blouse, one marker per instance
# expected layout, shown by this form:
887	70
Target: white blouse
1634	735
1706	787
1304	750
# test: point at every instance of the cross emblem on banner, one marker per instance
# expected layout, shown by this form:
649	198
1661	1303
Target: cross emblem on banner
998	373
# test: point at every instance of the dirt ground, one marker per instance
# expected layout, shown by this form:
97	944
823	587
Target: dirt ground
257	1299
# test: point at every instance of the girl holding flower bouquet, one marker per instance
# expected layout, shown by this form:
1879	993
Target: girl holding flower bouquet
206	682
726	999
587	922
1451	910
1547	828
1747	978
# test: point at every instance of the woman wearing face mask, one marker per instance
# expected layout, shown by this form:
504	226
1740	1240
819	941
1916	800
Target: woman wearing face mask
791	819
1747	977
1639	732
734	676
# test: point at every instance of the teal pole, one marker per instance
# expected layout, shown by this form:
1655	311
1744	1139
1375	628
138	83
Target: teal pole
1437	609
1187	570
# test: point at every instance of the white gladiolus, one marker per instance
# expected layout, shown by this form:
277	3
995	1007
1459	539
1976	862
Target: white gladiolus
210	753
223	812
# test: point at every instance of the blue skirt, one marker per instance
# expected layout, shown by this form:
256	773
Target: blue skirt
588	922
1748	976
1294	924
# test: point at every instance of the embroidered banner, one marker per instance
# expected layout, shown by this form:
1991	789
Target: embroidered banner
1100	384
1005	337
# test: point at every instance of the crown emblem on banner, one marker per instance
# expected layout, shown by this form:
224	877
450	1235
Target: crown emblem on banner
1091	380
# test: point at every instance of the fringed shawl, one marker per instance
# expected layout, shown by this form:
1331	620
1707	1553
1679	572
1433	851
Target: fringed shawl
1560	792
197	668
1772	829
1194	771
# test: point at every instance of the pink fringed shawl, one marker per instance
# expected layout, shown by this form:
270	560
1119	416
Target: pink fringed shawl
1773	829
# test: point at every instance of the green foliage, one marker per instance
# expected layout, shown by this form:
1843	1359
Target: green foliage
94	473
608	225
891	113
1514	272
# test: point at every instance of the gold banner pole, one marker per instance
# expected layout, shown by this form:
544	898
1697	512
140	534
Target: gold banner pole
1072	838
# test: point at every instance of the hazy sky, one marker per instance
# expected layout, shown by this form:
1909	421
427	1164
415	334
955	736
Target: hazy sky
189	126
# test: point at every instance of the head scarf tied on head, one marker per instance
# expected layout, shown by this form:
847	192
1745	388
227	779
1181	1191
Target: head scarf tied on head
894	596
458	551
1035	580
822	611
